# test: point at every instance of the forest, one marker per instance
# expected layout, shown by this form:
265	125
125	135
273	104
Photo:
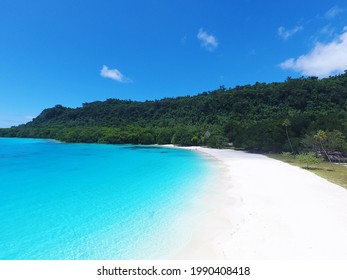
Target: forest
265	117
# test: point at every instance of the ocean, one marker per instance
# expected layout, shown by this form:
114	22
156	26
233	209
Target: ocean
63	201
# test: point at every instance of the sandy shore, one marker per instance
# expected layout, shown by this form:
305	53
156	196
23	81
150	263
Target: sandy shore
271	210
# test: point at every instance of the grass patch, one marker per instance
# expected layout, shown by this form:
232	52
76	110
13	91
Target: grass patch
322	169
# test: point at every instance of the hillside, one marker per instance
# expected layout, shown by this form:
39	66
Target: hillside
251	117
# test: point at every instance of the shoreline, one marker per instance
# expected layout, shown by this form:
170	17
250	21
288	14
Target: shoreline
268	209
256	207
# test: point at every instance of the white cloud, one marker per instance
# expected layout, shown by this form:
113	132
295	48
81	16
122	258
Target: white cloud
285	34
323	60
327	30
209	42
114	74
333	12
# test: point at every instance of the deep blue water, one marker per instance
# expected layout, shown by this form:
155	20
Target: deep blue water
91	201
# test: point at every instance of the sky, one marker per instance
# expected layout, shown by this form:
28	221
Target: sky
70	52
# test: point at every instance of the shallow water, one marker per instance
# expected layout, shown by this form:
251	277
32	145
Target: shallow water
90	201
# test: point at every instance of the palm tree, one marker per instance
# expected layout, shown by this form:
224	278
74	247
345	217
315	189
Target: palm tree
287	123
321	136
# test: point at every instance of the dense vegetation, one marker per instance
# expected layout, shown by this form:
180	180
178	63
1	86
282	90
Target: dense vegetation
264	117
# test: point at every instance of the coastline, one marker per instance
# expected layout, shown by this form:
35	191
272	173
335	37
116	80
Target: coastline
255	207
267	209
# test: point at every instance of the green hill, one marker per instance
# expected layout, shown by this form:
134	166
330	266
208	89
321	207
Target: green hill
250	117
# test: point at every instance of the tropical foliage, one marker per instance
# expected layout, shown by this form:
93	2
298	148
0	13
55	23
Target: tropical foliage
263	117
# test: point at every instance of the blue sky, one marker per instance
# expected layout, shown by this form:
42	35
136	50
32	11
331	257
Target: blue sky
74	51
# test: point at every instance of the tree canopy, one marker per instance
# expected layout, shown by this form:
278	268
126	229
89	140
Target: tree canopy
260	117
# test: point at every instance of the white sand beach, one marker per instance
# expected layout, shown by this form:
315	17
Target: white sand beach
271	210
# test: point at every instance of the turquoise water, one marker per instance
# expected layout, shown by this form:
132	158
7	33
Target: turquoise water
90	201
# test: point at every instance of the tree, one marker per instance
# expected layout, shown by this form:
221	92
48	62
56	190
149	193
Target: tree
321	137
250	116
216	141
287	123
336	141
307	159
